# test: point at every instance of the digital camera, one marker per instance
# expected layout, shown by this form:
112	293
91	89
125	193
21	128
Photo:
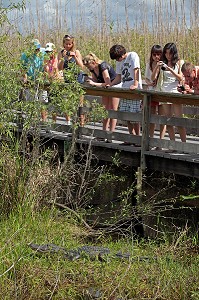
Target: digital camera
164	66
182	88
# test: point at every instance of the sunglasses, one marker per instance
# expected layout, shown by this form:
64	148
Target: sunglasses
67	36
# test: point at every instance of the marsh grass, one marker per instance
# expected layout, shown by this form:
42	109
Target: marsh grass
96	30
155	270
30	185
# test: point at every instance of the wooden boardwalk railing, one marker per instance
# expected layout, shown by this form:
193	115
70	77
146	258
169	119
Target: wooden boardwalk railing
191	147
186	159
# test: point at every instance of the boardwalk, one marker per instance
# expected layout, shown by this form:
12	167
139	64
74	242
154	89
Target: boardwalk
185	159
186	164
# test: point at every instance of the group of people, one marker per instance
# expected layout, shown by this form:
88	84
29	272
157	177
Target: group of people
164	71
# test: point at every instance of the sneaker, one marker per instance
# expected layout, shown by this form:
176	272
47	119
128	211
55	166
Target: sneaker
156	149
99	139
170	150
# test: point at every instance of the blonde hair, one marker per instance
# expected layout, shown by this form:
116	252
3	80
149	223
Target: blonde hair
187	67
91	57
71	38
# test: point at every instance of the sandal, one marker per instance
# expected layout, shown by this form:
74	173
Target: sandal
126	144
99	139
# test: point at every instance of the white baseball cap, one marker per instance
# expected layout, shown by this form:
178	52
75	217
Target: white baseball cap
49	47
36	43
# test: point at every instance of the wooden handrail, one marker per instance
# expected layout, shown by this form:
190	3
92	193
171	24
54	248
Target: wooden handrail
139	94
146	96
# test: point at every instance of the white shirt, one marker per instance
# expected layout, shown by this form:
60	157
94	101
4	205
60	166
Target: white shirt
126	69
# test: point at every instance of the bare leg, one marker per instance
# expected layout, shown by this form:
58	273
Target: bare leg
178	111
114	102
163	128
44	115
152	125
105	102
67	118
134	128
81	115
165	110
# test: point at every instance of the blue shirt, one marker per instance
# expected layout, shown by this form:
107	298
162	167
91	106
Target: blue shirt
32	64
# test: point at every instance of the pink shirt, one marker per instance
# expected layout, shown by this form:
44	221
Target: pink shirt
52	67
195	83
196	80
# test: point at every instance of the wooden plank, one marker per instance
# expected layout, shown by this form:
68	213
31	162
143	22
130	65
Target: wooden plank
175	98
145	129
157	119
190	110
117	136
176	145
173	166
174	121
126	116
114	92
175	156
127	155
139	94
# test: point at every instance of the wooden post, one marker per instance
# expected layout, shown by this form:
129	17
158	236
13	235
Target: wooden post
146	111
145	129
81	113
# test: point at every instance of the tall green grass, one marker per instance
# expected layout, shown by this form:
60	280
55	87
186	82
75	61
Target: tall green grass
97	30
154	271
30	184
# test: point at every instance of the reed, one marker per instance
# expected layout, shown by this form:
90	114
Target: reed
96	30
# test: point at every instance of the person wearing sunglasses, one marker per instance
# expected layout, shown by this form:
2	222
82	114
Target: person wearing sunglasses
68	58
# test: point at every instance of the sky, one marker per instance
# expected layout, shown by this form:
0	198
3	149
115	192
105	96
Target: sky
88	11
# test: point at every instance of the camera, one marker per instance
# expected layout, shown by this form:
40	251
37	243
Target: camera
182	88
164	66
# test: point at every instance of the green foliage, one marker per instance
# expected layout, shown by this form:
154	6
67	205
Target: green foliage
66	97
97	112
116	159
153	271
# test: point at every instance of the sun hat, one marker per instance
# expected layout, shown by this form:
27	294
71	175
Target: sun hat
36	43
49	47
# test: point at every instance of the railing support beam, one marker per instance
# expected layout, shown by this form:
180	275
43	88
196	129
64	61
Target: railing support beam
146	112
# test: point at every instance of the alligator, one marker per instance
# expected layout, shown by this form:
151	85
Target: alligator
73	254
92	252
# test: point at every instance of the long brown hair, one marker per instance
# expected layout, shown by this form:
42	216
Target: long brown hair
154	49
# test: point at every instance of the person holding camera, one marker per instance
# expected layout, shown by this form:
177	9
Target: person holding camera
168	75
67	58
191	79
155	55
69	55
